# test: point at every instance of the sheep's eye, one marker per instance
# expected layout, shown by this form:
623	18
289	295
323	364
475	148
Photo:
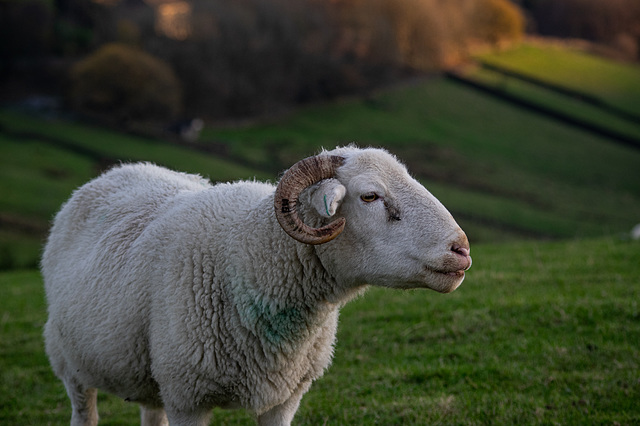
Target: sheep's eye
370	197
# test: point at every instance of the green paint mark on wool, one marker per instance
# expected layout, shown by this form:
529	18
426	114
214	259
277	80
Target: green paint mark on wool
283	325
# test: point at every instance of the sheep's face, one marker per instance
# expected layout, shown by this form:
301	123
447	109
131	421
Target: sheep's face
397	234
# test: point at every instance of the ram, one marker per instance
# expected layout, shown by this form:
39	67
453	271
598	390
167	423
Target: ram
182	296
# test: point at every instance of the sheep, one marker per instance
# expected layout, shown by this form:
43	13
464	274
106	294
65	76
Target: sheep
180	295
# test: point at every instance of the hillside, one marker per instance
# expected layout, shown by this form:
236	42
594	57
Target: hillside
545	328
504	172
615	83
42	161
564	83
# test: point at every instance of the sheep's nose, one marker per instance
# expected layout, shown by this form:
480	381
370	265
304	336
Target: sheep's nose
463	251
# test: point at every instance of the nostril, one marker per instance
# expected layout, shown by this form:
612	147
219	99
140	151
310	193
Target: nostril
462	251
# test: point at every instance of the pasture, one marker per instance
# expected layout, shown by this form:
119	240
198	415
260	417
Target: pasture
615	83
546	327
539	333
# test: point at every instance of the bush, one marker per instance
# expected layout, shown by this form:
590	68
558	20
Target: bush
432	34
125	83
497	21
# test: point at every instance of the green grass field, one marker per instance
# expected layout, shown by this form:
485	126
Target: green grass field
614	82
37	173
557	102
546	327
539	333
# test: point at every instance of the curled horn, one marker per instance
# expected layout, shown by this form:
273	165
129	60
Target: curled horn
301	175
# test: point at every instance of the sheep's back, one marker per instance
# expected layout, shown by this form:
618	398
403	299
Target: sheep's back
106	215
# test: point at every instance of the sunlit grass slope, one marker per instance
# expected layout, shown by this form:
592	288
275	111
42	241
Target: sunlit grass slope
614	82
504	172
539	333
558	103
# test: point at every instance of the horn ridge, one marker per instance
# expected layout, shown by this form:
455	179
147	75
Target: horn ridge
301	175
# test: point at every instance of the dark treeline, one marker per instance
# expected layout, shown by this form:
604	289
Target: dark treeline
241	57
251	56
221	58
613	23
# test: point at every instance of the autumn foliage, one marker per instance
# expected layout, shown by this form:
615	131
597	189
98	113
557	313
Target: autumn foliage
250	56
497	21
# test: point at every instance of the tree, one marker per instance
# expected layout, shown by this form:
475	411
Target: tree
497	21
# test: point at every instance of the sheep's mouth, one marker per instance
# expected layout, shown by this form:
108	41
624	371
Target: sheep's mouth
443	280
457	273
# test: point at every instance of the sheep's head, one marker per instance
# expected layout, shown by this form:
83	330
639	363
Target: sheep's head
380	226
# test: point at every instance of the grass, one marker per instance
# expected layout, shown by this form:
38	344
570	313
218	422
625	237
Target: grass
539	333
615	83
43	161
116	146
557	102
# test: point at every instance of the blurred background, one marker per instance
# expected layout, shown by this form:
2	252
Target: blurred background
523	117
220	59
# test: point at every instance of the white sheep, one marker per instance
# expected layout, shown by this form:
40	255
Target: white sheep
182	296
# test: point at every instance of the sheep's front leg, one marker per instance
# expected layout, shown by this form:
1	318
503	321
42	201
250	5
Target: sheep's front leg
153	417
188	418
83	403
282	415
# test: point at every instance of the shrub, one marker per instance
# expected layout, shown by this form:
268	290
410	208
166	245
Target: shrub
125	83
497	21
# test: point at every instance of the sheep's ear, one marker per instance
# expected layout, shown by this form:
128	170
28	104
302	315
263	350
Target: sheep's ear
326	196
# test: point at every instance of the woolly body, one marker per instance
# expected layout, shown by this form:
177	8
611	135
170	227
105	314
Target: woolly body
174	293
